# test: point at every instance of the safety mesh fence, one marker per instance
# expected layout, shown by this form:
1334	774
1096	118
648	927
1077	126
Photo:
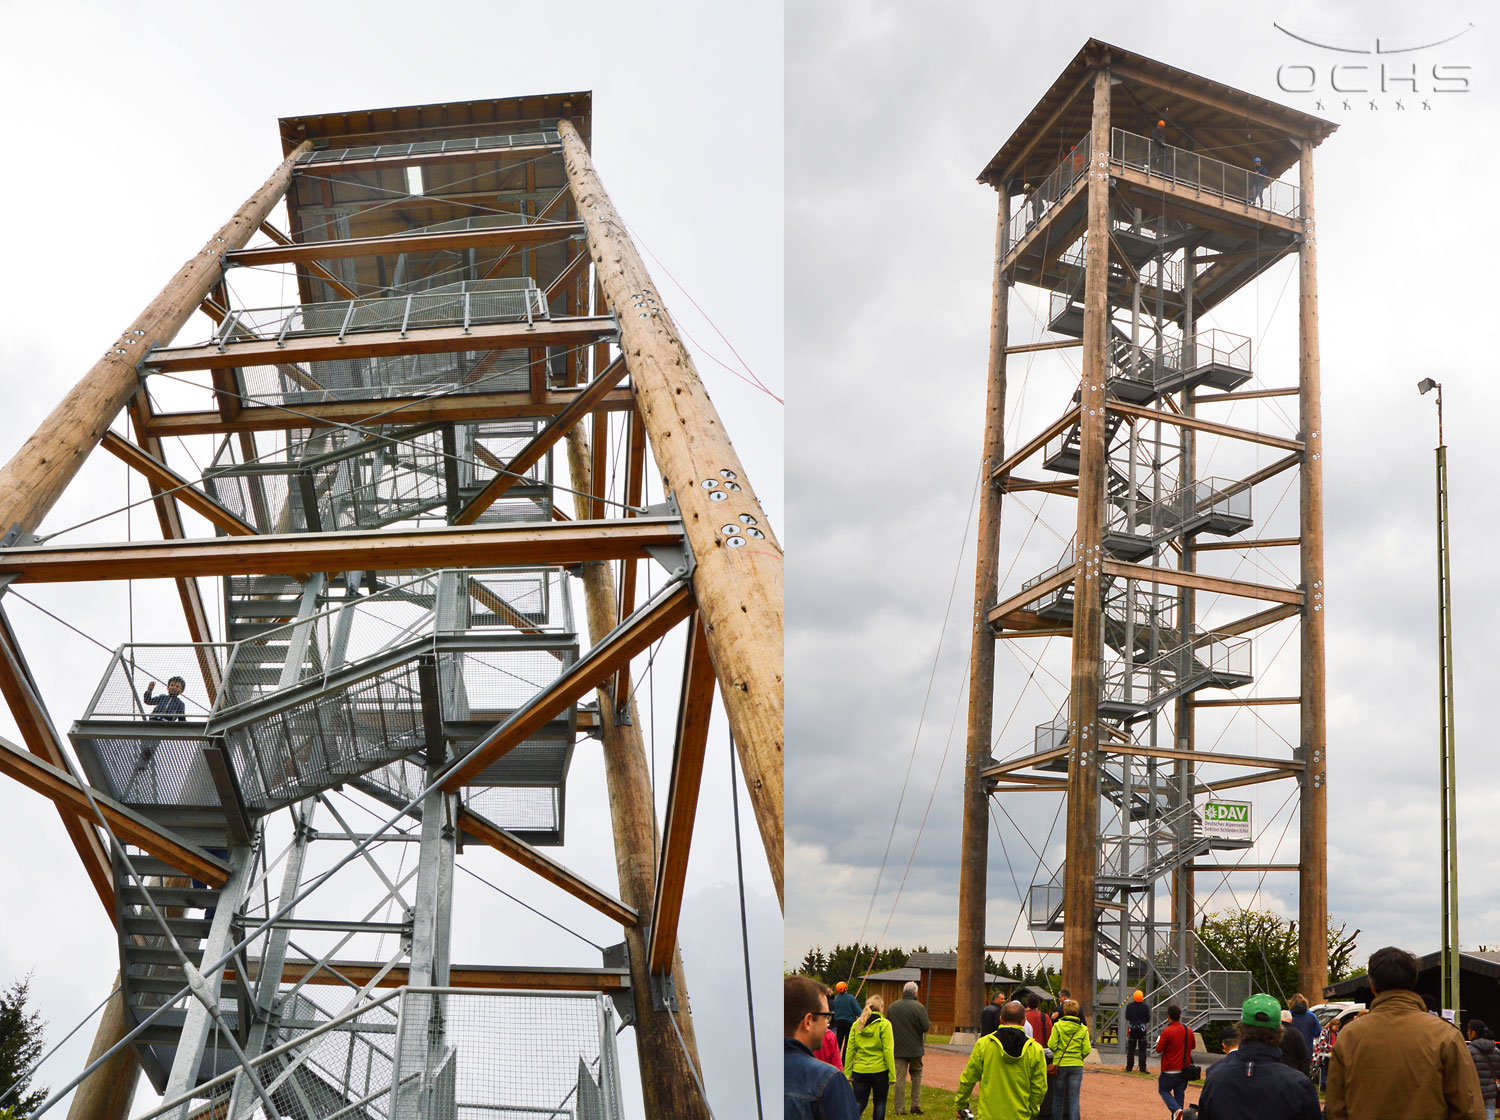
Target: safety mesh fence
326	479
401	375
505	1056
462	303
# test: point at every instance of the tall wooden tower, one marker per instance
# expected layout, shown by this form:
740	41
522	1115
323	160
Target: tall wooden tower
413	475
1137	198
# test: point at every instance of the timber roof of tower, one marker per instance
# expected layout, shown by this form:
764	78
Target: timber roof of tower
451	119
1203	115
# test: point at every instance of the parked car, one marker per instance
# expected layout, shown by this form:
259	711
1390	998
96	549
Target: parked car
1328	1012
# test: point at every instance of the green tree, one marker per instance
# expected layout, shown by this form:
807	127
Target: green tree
20	1046
1265	945
850	962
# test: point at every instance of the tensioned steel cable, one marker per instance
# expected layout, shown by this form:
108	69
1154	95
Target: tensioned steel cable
739	867
501	890
917	736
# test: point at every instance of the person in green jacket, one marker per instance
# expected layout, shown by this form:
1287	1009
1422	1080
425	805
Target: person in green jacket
1069	1045
870	1057
1009	1068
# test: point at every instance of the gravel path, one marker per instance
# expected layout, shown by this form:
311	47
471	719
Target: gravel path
1107	1094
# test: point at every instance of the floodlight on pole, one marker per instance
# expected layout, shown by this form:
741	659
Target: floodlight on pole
1448	782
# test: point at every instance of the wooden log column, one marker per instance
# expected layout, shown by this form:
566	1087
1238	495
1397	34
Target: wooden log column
974	853
37	474
1312	893
666	1077
738	589
107	1094
1088	598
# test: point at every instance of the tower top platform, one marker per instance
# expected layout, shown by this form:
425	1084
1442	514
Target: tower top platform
1210	117
415	123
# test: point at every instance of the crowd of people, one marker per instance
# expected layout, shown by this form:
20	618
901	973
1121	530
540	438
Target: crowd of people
874	1047
1398	1059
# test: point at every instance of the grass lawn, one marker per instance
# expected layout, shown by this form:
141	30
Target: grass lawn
937	1103
937	1039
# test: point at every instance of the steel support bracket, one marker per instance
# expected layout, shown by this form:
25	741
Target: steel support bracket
15	537
663	993
677	559
618	956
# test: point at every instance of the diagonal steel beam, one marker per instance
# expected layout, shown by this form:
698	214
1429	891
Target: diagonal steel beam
548	868
68	792
163	477
616	648
313	266
542	442
693	715
20	692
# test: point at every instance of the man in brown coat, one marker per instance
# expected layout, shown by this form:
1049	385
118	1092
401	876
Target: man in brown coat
1397	1062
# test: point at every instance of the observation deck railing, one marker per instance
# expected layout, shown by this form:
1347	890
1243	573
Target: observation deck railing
476	144
1204	174
465	303
1039	201
1208	502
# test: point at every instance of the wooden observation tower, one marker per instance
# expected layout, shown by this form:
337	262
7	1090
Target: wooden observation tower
1136	199
410	483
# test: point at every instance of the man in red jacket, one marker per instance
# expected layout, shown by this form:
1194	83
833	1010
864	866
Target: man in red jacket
1038	1020
1175	1045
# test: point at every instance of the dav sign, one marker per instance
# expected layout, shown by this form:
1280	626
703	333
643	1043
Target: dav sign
1227	820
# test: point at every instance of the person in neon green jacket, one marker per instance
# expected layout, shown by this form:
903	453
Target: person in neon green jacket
1069	1045
1009	1068
870	1057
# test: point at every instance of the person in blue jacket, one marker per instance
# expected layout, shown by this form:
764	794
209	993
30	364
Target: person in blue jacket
812	1090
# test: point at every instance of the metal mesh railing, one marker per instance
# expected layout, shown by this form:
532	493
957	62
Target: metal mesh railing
1058	597
487	1055
343	1073
476	144
1039	200
135	667
404	375
317	1066
521	792
1193	664
308	704
1154	272
465	303
330	479
1179	358
1205	174
1200	501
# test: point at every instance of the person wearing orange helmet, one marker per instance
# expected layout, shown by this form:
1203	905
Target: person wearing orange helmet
846	1009
1138	1026
1159	155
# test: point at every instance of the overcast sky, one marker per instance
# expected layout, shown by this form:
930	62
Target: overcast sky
892	112
136	132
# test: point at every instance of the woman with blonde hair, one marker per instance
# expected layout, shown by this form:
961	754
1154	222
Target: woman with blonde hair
870	1057
1069	1044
